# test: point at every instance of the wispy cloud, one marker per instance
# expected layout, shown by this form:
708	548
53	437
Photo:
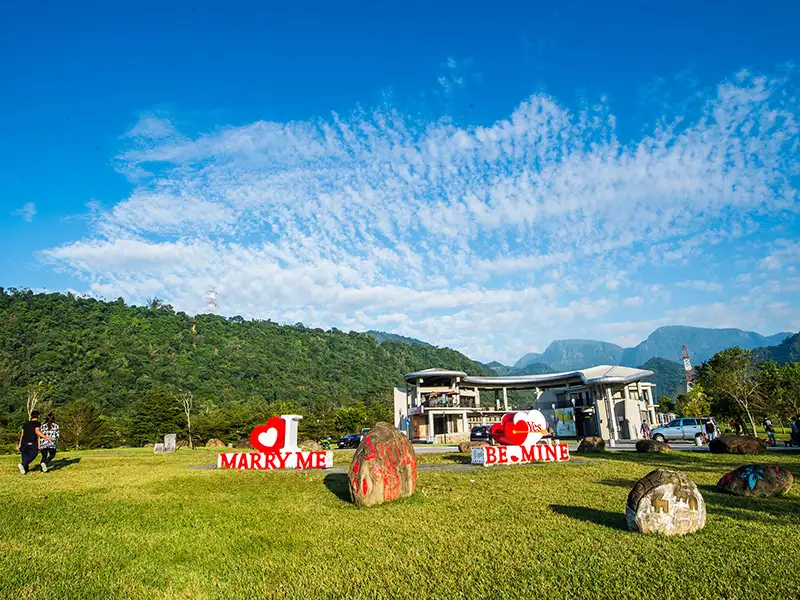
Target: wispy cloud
701	285
488	238
27	212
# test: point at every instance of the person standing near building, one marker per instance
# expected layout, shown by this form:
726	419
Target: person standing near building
48	447
645	430
29	442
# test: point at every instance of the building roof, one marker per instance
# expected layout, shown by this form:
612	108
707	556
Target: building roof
433	373
592	375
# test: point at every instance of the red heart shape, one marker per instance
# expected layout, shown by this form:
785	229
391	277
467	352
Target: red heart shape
274	423
516	433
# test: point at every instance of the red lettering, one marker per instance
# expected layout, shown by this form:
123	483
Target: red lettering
364	486
549	453
282	458
269	460
256	461
528	454
242	461
503	455
304	460
356	467
563	452
370	447
227	461
322	459
491	455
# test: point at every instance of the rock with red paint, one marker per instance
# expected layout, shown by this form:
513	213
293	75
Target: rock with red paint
756	480
384	467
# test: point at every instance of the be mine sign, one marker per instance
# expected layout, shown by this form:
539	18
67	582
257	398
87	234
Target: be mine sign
519	434
276	443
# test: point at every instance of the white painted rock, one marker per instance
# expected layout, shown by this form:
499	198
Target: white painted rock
665	502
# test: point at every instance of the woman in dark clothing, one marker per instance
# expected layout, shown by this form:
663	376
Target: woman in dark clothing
29	442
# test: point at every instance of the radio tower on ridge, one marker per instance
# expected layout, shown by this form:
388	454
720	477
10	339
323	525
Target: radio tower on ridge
687	366
212	300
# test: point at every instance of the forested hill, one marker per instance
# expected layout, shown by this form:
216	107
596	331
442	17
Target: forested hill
785	352
113	355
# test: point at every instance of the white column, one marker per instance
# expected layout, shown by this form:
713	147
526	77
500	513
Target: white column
505	399
497	400
651	408
611	415
464	424
431	436
626	396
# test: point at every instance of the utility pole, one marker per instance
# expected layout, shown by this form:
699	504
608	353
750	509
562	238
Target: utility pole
687	366
212	300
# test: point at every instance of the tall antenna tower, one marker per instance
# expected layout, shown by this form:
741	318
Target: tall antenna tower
212	300
687	366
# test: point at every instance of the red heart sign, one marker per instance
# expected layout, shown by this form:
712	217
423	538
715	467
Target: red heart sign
517	432
270	436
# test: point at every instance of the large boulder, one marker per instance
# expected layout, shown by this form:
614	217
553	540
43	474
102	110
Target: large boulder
384	467
592	444
243	443
665	502
652	446
737	444
310	446
214	443
468	446
756	480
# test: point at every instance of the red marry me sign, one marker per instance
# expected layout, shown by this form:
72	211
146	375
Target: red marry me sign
276	442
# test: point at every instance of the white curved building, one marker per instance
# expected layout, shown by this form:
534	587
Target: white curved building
610	401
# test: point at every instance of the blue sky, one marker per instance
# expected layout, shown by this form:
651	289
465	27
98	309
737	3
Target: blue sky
485	176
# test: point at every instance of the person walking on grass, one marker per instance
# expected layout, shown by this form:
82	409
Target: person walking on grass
48	447
29	443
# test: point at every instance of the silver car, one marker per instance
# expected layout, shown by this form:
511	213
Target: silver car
680	429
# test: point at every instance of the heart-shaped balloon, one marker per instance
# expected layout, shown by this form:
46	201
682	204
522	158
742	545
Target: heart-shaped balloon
270	436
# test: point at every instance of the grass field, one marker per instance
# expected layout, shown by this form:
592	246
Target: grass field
130	524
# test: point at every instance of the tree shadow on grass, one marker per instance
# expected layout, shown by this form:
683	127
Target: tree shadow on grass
618	482
62	462
462	459
338	485
613	520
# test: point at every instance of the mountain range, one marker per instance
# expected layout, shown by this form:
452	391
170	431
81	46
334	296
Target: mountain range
665	342
661	353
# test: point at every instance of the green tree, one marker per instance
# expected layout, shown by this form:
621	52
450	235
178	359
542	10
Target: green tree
694	404
351	419
666	405
81	425
730	379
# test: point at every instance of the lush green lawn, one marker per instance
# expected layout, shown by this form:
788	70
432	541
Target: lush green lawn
135	525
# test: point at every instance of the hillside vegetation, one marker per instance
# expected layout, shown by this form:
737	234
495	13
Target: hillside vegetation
127	365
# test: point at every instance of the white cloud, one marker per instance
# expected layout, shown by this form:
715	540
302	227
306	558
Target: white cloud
701	285
490	238
27	212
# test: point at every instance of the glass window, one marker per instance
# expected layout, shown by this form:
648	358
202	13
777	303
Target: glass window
690	422
674	423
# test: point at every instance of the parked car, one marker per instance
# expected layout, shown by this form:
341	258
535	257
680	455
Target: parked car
480	433
351	440
680	429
